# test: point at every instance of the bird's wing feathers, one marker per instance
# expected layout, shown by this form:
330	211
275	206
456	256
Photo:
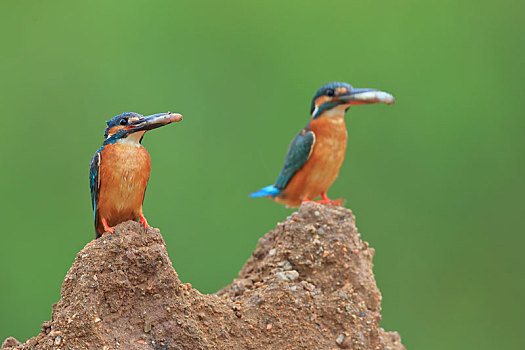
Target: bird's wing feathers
298	153
94	181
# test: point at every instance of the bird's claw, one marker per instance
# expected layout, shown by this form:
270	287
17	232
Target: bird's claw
144	222
328	201
107	228
325	200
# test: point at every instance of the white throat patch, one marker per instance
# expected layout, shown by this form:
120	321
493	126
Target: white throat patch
337	111
132	139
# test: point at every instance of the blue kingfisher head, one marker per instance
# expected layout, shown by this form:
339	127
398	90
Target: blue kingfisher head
131	127
335	98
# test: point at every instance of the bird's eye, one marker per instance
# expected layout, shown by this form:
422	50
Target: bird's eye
330	92
123	121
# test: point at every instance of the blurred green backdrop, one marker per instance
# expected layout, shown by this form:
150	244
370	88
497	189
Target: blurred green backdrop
436	180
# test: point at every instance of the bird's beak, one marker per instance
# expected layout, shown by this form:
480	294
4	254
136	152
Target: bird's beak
153	121
367	96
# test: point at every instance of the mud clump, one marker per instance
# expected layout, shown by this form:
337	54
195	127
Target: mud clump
308	285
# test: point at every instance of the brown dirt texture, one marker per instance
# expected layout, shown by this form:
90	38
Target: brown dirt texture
308	285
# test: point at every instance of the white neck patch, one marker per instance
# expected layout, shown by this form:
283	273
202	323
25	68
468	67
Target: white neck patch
337	111
132	139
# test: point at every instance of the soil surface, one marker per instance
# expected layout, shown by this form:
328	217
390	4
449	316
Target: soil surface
308	285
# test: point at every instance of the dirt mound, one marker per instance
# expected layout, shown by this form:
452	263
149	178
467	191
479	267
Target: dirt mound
308	285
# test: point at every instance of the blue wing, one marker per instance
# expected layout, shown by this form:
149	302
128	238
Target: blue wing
94	182
298	153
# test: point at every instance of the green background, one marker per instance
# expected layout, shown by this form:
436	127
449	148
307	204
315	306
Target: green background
436	180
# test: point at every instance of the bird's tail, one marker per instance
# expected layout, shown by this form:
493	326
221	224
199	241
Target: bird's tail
271	191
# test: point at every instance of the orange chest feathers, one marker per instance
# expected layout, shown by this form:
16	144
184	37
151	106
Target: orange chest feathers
124	175
330	142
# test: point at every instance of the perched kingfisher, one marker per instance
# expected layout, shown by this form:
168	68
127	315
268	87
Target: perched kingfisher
316	154
120	169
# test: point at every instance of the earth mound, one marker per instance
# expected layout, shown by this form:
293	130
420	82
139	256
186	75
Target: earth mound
308	285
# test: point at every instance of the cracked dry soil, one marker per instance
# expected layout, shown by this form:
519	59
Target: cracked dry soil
308	285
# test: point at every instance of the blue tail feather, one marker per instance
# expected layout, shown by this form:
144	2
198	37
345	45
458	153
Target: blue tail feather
266	191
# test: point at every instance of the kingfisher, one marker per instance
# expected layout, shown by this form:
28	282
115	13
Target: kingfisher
317	152
120	169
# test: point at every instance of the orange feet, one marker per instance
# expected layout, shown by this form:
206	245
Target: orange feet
326	200
143	221
107	228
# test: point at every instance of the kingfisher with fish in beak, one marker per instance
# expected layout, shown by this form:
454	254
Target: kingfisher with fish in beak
120	170
317	152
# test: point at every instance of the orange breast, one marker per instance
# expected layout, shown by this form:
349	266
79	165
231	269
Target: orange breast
322	168
124	173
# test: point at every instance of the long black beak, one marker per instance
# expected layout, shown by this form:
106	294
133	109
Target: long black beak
154	121
367	96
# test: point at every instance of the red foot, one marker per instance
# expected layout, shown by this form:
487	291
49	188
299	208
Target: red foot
326	200
143	221
306	200
337	202
107	228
